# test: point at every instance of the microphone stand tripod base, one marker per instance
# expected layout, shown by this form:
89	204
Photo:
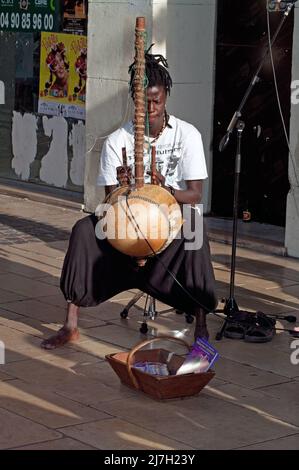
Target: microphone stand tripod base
231	310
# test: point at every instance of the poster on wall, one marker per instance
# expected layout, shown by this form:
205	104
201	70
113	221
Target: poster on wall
74	16
62	83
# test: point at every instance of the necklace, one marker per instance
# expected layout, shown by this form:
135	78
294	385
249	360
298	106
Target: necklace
150	143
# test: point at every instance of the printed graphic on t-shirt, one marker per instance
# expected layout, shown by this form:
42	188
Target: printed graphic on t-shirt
167	160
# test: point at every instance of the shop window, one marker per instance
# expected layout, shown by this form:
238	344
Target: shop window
27	51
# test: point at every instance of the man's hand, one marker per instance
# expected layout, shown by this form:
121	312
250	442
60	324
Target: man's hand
124	175
157	178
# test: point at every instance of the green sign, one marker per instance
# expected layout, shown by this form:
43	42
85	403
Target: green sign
29	15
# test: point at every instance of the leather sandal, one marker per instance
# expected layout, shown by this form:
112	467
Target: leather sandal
238	324
262	331
235	330
259	334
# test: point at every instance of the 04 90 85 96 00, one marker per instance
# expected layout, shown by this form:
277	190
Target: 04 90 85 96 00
15	21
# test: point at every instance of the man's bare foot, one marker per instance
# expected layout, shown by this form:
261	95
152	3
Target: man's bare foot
63	336
201	331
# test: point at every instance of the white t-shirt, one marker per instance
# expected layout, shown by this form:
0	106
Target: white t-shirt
179	154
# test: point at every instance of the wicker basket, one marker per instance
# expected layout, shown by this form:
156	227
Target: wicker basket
158	387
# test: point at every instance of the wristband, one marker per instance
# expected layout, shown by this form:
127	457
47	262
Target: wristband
172	190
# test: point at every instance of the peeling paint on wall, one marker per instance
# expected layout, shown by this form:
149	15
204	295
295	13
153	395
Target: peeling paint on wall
54	165
24	143
77	141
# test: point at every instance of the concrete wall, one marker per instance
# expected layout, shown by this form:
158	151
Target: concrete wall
111	27
292	216
183	30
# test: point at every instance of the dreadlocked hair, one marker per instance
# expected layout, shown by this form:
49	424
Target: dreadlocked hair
156	72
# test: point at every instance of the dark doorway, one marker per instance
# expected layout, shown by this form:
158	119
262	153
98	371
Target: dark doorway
241	41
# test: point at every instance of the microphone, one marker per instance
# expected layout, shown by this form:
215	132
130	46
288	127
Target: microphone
225	139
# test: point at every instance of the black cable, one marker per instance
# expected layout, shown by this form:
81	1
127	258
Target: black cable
293	333
282	117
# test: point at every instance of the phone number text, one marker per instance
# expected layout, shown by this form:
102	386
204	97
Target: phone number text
26	21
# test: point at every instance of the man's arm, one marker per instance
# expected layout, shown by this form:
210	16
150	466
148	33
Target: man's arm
191	195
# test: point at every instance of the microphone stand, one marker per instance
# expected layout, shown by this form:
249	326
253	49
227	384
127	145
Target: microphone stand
231	307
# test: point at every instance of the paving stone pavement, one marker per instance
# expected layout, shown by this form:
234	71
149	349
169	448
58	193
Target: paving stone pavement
70	398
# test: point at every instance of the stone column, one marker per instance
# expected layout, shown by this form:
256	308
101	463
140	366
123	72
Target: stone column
292	214
111	35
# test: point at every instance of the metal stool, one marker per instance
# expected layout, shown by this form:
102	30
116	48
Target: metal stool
149	310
